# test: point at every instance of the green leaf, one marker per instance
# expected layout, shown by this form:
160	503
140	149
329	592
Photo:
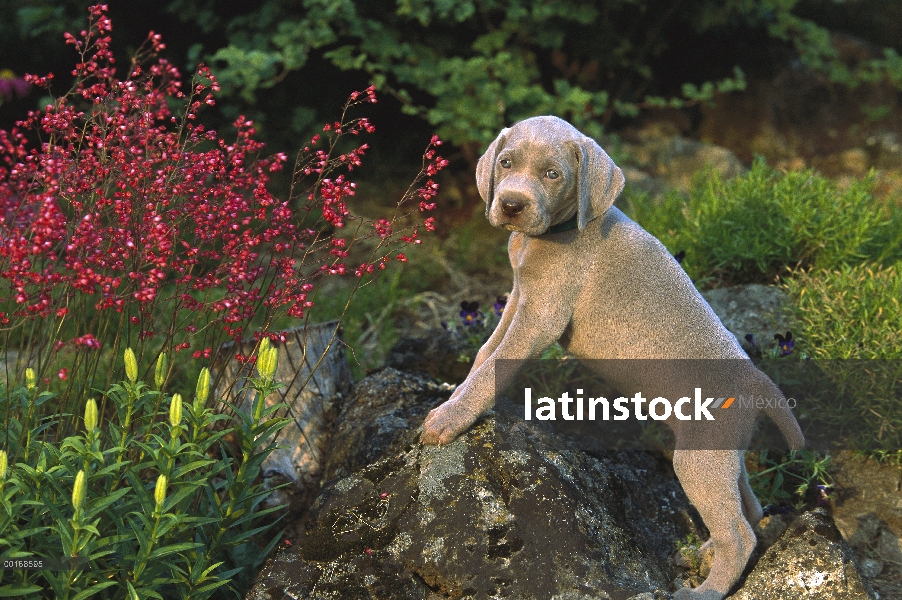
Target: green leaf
93	590
172	549
132	594
97	505
19	590
346	57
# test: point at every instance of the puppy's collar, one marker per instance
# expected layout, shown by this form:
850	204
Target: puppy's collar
565	226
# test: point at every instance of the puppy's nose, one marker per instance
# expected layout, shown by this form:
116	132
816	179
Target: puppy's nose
511	208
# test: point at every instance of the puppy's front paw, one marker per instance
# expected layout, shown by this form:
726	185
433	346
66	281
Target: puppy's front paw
696	594
446	422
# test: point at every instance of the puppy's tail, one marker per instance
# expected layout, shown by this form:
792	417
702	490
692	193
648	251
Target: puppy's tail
788	426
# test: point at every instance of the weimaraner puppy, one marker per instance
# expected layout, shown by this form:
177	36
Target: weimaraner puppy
591	278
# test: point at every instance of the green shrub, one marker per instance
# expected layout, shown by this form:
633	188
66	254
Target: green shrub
471	67
850	312
146	493
853	316
749	229
789	480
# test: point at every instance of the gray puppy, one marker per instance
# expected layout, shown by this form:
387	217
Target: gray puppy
591	278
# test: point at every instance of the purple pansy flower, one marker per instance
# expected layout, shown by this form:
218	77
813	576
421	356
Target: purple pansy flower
823	494
469	313
785	343
499	305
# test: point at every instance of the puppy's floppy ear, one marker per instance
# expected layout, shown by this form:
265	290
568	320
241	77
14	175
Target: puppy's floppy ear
600	181
485	169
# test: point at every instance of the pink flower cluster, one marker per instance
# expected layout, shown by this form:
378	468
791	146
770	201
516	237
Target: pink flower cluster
131	204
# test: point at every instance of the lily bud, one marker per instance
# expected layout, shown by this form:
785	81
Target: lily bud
4	464
91	415
78	491
203	385
30	379
159	493
160	374
267	358
131	365
175	410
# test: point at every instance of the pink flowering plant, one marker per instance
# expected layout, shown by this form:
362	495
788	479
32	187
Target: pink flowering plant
129	229
125	222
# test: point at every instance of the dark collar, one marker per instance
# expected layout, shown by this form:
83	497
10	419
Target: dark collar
565	226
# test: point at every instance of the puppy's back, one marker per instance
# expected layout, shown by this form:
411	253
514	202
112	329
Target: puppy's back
637	302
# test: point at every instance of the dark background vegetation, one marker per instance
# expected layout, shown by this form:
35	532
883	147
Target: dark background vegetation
465	68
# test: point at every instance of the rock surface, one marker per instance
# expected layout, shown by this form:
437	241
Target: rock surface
761	310
435	353
660	152
507	510
310	400
513	510
810	560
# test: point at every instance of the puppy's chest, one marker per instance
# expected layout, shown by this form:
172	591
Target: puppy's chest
534	256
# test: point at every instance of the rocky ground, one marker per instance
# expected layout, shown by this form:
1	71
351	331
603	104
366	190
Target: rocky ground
866	502
517	510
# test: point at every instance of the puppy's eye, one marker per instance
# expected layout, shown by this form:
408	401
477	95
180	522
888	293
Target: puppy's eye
505	163
551	174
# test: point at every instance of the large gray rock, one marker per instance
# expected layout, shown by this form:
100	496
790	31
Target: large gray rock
512	509
435	354
507	510
659	151
811	561
761	310
885	150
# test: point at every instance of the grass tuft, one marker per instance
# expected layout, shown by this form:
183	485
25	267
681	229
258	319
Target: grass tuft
749	229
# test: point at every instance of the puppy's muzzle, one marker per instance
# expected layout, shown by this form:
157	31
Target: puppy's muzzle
513	204
511	208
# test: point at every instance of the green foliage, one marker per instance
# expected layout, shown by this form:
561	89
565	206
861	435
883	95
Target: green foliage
481	64
36	19
688	547
853	314
472	66
469	67
850	312
751	228
790	478
817	52
152	500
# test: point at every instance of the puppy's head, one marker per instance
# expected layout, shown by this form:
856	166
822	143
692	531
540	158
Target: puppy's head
541	172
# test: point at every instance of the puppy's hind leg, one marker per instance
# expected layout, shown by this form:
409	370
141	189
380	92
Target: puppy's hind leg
710	479
751	508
